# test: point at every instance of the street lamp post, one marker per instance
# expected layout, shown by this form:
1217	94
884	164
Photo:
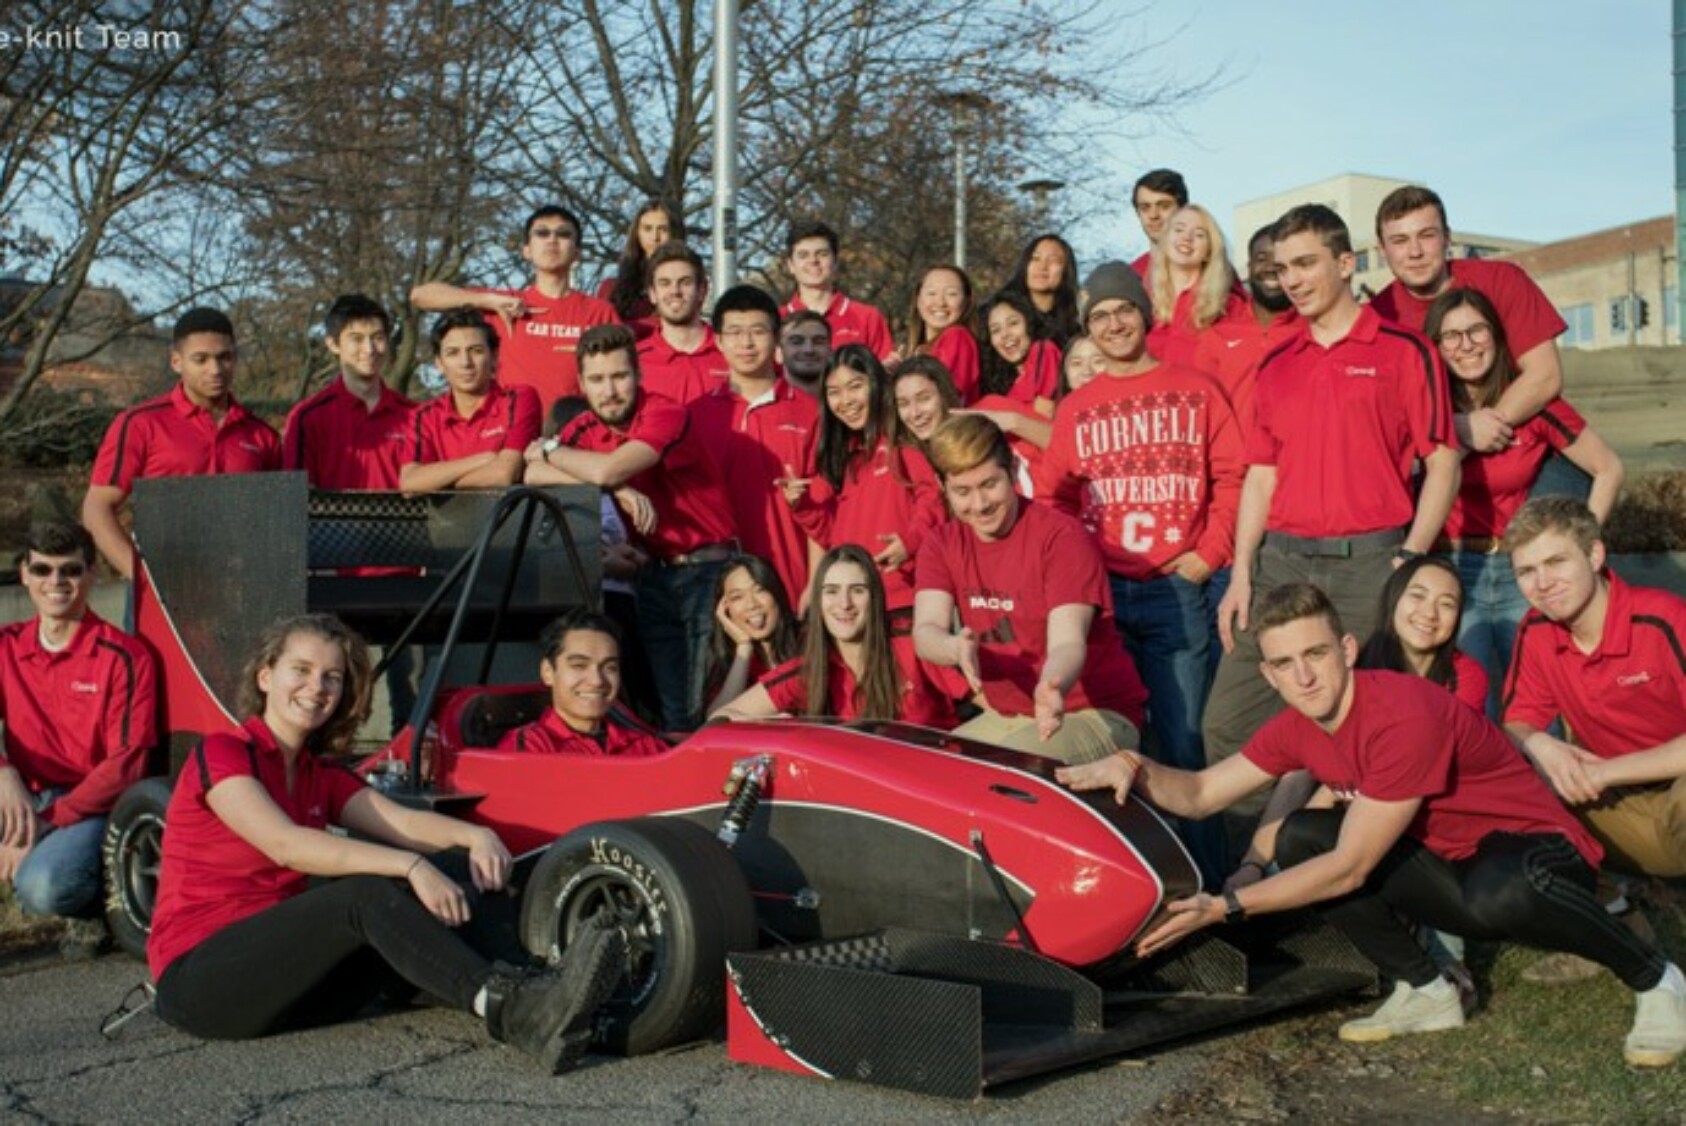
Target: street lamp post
725	244
962	104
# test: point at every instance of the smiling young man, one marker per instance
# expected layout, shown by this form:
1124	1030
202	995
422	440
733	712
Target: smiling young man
668	485
681	359
1233	347
78	703
804	348
196	430
1150	452
1436	821
811	258
1610	661
581	665
473	436
352	434
1416	241
1156	197
539	326
1345	409
762	431
1030	589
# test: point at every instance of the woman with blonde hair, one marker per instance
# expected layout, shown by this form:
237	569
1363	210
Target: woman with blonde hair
1192	285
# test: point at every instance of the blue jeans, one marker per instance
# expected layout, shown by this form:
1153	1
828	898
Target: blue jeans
1493	608
675	619
1560	477
61	874
1164	624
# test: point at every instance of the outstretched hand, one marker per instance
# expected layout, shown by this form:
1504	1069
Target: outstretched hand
1114	772
1183	917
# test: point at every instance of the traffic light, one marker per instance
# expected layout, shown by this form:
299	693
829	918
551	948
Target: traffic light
1641	312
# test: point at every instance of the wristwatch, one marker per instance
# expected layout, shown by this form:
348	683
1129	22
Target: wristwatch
1405	554
1233	911
550	446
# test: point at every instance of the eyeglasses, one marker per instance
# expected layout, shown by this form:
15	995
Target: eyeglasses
735	334
1115	316
553	232
62	570
1476	336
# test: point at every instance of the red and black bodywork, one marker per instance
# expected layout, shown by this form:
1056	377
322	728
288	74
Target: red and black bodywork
894	904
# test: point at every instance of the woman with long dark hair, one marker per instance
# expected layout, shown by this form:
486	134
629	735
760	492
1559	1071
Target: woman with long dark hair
1017	363
852	665
754	628
628	291
1421	605
925	398
1046	276
1471	338
873	487
939	324
246	942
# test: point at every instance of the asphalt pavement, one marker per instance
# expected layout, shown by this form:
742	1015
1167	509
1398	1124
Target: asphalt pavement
422	1066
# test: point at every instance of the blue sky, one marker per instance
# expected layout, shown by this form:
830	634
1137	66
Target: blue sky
1535	120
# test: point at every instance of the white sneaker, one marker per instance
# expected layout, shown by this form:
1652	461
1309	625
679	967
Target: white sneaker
1659	1025
1432	1008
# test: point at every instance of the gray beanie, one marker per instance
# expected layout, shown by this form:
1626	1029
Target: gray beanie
1113	280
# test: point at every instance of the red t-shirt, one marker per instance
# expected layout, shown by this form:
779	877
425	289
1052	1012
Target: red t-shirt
506	419
923	702
170	437
1177	341
683	377
540	352
753	443
1469	681
1627	695
1156	459
887	492
1005	589
957	348
1230	352
1039	375
81	719
341	444
1528	316
551	735
692	506
851	321
1027	455
1345	425
1404	738
211	878
1495	485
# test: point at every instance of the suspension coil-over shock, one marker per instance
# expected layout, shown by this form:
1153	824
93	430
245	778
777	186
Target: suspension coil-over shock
744	786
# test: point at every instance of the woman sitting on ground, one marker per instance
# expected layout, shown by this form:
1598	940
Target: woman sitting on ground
754	629
243	945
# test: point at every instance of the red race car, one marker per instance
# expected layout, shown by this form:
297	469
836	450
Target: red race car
894	904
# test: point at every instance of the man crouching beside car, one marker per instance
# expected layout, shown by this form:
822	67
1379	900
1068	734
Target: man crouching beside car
1439	821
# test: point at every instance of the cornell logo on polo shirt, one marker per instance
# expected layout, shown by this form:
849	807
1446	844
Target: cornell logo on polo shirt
1633	681
250	446
86	686
493	432
1368	373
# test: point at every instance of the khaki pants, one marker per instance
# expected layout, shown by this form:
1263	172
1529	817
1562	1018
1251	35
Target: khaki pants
1643	831
1084	736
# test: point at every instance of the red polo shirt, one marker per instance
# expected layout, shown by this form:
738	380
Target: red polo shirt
1528	316
887	491
1177	340
1469	681
1039	375
683	377
506	419
1627	695
211	878
692	507
1344	426
1156	458
341	444
81	719
957	348
551	735
922	702
540	352
1495	485
170	437
1005	590
1404	738
753	443
851	321
1230	352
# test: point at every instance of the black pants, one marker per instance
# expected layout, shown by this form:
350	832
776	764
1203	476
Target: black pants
1531	888
324	955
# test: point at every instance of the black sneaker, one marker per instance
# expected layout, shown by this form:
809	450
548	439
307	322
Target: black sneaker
548	1015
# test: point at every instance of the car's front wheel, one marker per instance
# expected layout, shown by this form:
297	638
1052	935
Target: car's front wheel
132	851
683	904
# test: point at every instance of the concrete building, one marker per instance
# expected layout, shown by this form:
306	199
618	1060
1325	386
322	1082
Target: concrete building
1355	198
1614	287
